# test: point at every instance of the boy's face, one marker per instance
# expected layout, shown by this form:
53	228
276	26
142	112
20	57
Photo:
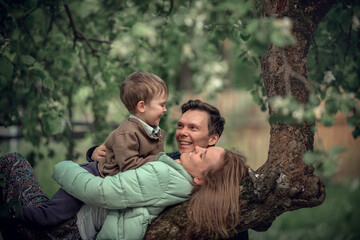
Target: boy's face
154	110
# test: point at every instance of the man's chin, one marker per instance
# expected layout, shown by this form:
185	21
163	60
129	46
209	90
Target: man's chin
186	148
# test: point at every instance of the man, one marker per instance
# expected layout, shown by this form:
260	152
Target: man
200	125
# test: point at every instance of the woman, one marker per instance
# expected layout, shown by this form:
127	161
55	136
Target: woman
139	195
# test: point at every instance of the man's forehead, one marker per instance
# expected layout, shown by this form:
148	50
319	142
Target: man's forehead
194	117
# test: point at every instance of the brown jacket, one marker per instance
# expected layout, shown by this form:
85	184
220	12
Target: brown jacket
129	147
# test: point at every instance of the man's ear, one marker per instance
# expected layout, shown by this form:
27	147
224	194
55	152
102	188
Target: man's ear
140	106
198	181
213	139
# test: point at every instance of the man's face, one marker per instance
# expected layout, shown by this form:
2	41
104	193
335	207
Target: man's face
192	130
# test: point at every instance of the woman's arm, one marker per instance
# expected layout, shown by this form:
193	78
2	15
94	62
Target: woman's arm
145	186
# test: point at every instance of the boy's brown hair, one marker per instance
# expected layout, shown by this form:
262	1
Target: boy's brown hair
141	86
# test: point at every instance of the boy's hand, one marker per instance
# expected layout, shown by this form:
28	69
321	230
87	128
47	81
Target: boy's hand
99	153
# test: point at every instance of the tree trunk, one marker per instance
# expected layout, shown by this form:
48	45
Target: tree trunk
284	182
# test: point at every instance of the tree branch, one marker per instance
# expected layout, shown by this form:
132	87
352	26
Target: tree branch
80	35
348	39
263	197
286	73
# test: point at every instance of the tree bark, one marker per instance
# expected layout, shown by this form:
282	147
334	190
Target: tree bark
284	182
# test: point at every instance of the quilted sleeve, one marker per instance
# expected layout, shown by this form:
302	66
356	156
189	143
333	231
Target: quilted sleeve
144	186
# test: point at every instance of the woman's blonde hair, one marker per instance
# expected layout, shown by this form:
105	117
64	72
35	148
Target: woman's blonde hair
214	206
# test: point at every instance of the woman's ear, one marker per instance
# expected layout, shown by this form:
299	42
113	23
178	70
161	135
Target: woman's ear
213	139
140	106
198	181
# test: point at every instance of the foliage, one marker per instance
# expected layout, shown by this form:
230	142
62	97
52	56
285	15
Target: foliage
51	51
324	163
334	68
61	57
335	62
337	218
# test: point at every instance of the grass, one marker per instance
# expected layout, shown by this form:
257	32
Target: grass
337	218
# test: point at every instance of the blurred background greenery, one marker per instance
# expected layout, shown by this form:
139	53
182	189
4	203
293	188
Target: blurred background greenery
61	63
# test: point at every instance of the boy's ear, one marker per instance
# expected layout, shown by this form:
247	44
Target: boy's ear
198	181
140	106
213	139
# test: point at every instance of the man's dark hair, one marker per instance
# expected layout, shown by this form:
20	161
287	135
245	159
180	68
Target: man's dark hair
215	122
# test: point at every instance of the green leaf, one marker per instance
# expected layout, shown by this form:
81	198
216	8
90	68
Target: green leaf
49	83
30	4
3	82
278	118
278	39
311	158
259	48
6	67
329	167
27	60
331	106
51	123
253	26
106	76
346	107
314	100
336	150
309	116
245	37
327	120
256	96
356	132
66	64
38	72
263	107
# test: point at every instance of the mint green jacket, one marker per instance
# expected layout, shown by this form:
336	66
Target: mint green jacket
134	197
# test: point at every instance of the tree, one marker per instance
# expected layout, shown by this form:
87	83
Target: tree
284	182
50	51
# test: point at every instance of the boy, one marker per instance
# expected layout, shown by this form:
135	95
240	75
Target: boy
135	142
138	139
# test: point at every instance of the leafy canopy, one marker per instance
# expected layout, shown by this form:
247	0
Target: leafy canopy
60	60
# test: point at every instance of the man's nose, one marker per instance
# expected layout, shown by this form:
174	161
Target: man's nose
183	131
